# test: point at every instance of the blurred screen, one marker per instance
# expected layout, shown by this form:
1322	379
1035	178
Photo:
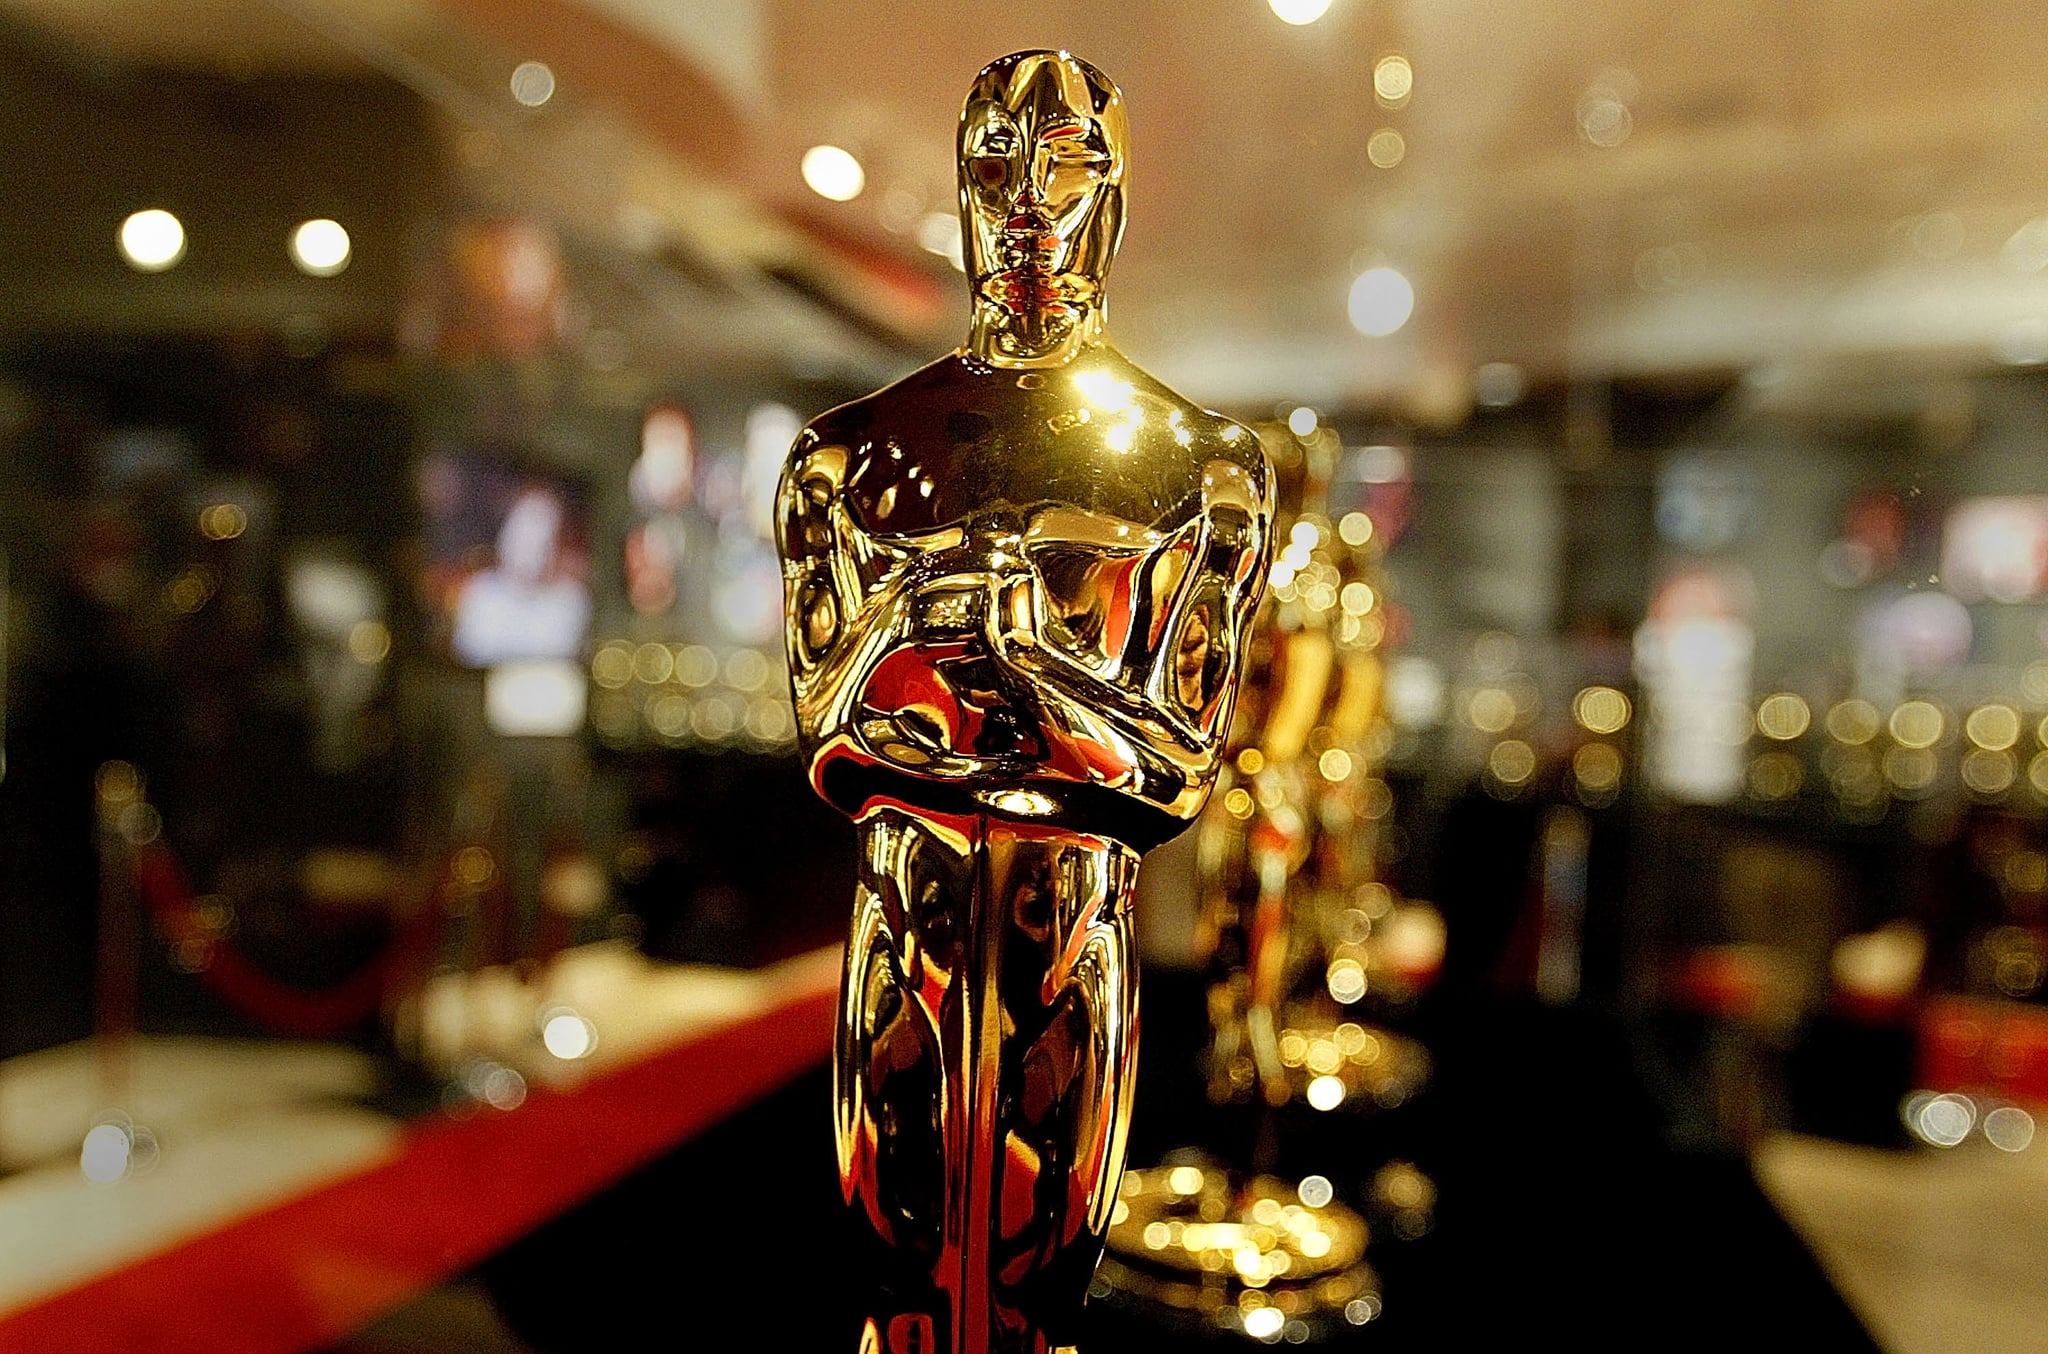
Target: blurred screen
506	574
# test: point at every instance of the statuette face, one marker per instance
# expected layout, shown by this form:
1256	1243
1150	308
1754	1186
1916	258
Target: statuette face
1042	150
1017	585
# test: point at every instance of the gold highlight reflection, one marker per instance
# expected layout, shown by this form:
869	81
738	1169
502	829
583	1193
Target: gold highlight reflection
1263	1258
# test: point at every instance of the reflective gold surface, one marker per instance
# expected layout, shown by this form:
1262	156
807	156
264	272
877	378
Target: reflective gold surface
1291	907
1255	1256
1043	142
1017	583
1294	911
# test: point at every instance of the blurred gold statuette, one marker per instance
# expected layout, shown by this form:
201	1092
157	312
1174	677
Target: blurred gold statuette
1293	926
1018	583
1263	1257
1300	930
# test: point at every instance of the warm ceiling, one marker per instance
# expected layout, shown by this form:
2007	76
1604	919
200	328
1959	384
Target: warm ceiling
1798	181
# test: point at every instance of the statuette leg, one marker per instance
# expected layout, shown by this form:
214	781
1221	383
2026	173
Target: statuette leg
984	1074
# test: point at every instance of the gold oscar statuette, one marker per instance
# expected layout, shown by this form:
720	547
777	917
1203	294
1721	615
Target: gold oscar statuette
1294	920
1018	585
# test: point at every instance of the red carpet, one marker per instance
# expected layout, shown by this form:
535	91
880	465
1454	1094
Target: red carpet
321	1265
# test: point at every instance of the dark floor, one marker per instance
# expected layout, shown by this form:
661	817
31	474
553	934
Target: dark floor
1565	1216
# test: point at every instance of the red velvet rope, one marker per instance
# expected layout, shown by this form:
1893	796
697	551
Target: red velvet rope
281	1008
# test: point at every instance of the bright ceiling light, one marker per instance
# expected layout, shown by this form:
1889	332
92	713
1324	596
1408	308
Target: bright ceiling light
1393	80
1300	11
152	240
1381	301
533	84
1302	421
833	173
320	247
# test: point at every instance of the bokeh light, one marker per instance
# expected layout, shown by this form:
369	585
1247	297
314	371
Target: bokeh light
1854	722
1299	12
103	1158
1596	768
568	1035
320	247
1393	80
1381	301
1989	772
1993	727
369	642
1775	776
833	173
1783	717
1512	761
152	240
1492	710
1346	980
1603	116
223	521
1940	1120
1917	724
1601	709
2009	1128
1325	1093
533	83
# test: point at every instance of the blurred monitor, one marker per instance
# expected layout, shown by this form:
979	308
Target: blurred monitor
507	563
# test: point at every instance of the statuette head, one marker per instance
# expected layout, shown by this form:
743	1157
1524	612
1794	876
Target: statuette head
1043	145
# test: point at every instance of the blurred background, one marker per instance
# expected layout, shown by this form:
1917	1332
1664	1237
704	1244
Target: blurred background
395	747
